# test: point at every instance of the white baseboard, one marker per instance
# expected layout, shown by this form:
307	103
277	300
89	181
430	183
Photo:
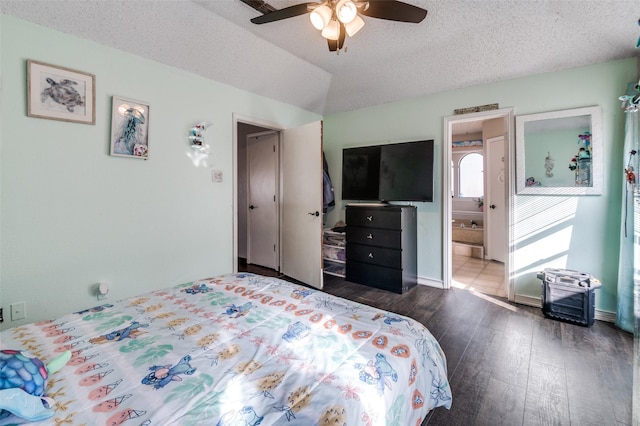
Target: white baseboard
537	303
605	316
431	282
528	301
533	301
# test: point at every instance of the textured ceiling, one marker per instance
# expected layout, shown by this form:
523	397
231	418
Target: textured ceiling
461	43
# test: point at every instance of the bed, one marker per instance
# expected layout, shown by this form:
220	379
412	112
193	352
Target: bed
239	349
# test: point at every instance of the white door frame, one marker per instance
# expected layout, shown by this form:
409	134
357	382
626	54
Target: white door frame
449	121
236	119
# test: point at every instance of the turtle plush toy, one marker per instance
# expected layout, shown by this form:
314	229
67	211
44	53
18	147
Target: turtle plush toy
23	379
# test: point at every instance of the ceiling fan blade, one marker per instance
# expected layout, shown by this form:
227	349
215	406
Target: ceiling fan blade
394	10
287	12
339	43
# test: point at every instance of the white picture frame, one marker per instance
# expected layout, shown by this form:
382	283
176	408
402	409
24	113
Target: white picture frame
60	93
129	128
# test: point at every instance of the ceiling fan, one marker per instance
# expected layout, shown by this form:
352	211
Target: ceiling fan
338	18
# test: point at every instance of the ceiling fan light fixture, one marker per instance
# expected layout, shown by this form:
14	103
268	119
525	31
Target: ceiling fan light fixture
332	30
354	26
320	16
346	11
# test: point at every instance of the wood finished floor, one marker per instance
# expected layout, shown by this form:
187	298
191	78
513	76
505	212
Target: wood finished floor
508	364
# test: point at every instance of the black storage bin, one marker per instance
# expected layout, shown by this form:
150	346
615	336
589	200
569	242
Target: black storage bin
569	295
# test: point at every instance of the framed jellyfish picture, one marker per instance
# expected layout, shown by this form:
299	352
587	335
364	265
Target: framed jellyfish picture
129	128
59	93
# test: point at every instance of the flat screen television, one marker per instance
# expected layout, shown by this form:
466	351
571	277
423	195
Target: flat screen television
393	172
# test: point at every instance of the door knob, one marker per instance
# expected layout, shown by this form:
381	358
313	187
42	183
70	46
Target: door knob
316	214
252	207
492	206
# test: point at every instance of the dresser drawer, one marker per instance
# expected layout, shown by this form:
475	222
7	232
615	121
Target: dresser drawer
375	276
375	255
374	237
374	218
381	246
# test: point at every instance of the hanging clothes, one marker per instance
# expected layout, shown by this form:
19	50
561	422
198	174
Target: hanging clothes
328	198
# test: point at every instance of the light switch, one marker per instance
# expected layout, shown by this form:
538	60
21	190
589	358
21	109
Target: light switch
216	175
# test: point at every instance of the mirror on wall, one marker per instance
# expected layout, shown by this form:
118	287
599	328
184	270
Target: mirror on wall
559	152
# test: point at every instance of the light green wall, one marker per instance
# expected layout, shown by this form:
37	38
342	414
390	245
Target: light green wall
562	145
73	216
574	232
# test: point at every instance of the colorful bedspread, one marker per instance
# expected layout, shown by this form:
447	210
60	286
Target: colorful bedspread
239	349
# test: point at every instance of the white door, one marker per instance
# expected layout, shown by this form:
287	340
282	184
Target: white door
495	205
262	220
301	204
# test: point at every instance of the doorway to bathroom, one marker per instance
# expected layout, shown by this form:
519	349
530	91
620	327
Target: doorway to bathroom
476	212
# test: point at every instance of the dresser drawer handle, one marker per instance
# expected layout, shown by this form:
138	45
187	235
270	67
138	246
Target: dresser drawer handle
370	218
370	255
370	237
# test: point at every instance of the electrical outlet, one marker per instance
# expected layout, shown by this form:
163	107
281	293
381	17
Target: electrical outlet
18	311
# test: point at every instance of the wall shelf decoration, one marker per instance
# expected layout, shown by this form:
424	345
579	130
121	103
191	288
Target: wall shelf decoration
59	93
196	137
565	134
129	128
467	144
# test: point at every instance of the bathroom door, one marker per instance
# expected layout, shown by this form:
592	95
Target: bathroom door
495	205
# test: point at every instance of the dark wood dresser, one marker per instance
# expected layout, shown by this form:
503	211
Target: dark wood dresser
382	246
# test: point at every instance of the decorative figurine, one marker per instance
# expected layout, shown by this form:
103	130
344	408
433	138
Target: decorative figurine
196	136
531	181
631	176
549	163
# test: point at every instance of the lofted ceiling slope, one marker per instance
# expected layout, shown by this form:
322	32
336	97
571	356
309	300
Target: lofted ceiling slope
461	43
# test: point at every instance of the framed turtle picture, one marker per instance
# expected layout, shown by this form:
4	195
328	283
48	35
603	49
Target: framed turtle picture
129	128
60	93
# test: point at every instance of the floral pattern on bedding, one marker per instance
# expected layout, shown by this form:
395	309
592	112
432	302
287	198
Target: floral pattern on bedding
239	349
